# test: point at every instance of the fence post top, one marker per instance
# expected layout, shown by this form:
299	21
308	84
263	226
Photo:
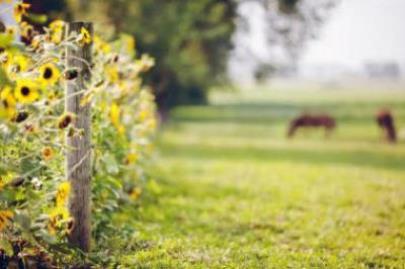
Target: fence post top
77	25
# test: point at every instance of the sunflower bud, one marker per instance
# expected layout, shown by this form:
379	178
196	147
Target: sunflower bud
2	27
99	83
29	128
70	225
70	74
65	120
17	182
21	116
71	132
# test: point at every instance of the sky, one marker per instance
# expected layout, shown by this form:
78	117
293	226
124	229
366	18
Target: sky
356	32
6	13
359	31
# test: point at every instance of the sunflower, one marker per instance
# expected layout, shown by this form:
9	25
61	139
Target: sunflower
131	158
101	46
7	104
11	31
5	59
115	115
26	30
112	74
18	63
57	218
56	28
20	9
26	91
5	218
47	153
135	193
84	37
62	194
49	74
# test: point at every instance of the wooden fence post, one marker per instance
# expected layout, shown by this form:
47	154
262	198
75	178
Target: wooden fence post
78	155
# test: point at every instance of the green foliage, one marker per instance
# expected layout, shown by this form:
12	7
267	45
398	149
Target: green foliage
189	39
34	190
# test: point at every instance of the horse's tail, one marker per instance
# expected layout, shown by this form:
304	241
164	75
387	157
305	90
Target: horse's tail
391	133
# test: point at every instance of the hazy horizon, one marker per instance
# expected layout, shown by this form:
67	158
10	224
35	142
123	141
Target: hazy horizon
358	31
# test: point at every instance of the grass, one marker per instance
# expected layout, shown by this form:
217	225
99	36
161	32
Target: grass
235	193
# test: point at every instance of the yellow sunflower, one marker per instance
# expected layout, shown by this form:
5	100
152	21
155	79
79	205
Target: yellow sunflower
112	74
131	158
115	117
84	37
57	217
20	9
101	46
62	194
56	28
49	74
11	31
26	91
18	63
135	193
26	30
5	218
7	104
5	59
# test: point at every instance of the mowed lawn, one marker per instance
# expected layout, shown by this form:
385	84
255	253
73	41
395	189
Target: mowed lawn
233	192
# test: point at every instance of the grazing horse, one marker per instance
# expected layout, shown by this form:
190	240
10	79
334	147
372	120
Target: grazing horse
314	121
385	121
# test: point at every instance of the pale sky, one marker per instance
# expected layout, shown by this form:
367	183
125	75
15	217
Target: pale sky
358	31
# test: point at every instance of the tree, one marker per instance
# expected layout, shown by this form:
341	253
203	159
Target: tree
191	40
288	26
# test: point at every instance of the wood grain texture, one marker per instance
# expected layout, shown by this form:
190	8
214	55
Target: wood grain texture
78	159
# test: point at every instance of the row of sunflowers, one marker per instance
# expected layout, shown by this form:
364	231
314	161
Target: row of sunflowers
34	220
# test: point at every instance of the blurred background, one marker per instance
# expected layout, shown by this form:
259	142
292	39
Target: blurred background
232	77
198	45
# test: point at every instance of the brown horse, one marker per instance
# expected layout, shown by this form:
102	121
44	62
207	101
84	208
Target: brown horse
314	121
385	121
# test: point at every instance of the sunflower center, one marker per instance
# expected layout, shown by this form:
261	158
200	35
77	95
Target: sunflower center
20	8
5	103
48	73
25	91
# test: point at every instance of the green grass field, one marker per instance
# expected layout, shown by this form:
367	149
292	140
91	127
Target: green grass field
235	193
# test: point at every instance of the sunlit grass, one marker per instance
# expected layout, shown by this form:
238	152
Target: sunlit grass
235	193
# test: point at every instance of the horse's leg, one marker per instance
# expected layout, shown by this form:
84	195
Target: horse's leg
292	130
327	132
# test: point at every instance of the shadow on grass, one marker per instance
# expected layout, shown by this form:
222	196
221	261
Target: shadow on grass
315	157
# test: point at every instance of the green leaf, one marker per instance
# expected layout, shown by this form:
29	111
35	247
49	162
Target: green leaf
23	220
111	164
5	40
37	18
3	76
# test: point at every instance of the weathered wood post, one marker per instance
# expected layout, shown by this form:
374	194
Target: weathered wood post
78	159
